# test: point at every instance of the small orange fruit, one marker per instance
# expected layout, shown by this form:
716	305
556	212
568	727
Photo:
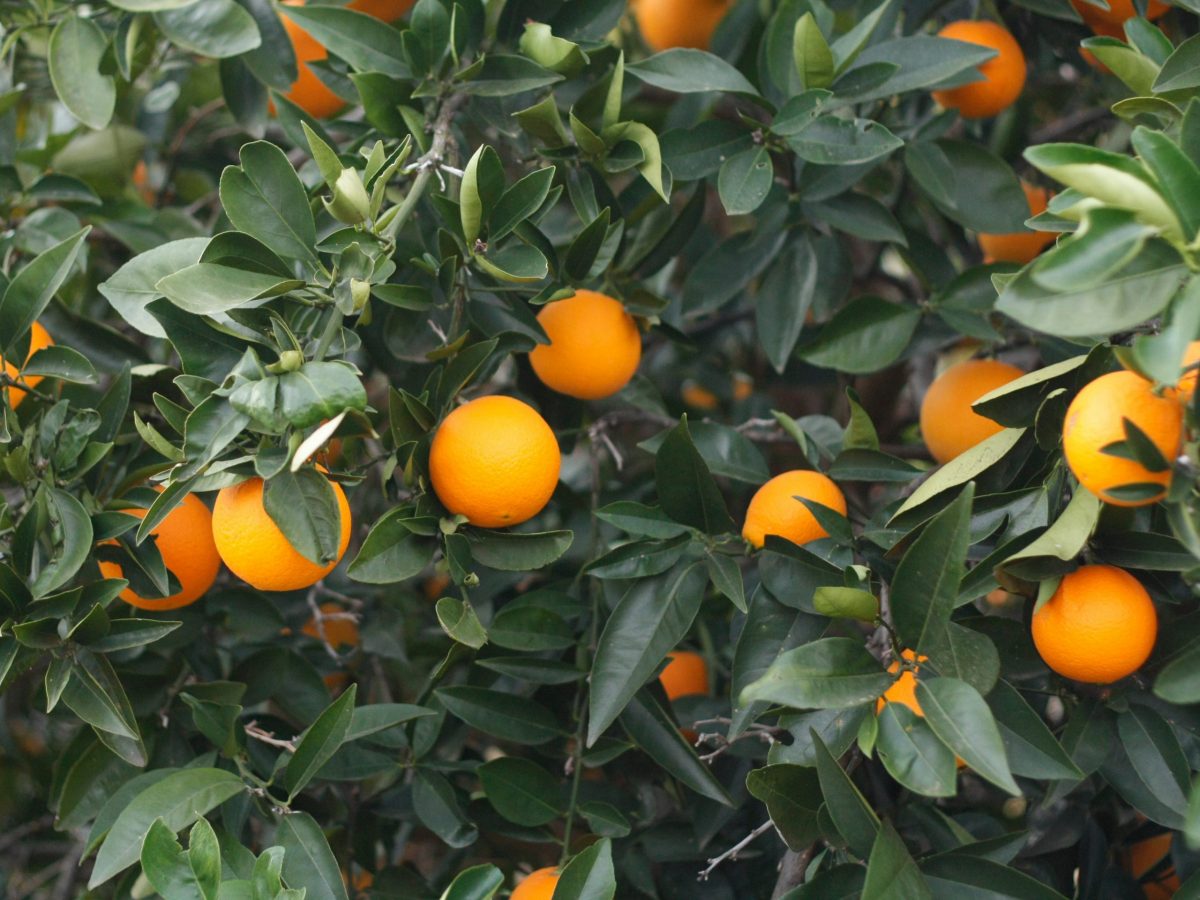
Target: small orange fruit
1149	859
948	423
185	542
685	675
1104	21
774	508
308	91
537	885
338	632
679	23
1096	418
1186	386
39	339
697	396
1098	627
904	688
434	587
1003	74
594	348
385	10
255	549
743	387
1023	246
495	461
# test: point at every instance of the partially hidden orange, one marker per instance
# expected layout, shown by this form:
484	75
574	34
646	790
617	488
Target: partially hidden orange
1108	21
537	885
665	24
1019	247
904	689
774	508
1149	861
685	675
39	339
1003	74
308	91
385	10
949	425
338	631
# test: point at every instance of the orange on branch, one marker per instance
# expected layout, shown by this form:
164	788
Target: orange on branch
185	542
685	675
774	508
1003	74
594	348
39	339
495	461
257	551
949	425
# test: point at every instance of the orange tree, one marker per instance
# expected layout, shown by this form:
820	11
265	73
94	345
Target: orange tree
392	392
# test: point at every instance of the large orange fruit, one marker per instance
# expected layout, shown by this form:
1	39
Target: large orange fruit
774	509
537	885
904	688
185	542
254	548
495	461
685	675
1096	419
948	423
679	23
308	91
39	339
594	346
1023	246
1108	21
338	632
1098	627
1153	855
1003	74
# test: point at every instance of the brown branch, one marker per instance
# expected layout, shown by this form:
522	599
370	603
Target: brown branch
268	737
737	848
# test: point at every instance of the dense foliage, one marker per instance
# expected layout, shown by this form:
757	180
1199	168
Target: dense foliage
249	276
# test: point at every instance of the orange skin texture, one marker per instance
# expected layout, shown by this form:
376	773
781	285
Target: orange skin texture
679	23
308	91
948	423
495	461
774	509
1098	627
1144	856
1023	246
1095	420
1003	74
1186	386
255	550
338	632
537	885
1106	21
686	675
594	348
185	542
39	339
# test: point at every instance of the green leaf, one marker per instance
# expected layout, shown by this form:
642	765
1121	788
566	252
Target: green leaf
687	71
1181	71
62	363
519	202
1054	552
649	621
266	199
792	795
33	287
459	621
830	673
726	576
833	141
307	860
650	168
178	799
391	552
866	335
970	184
961	875
436	806
639	520
354	36
814	59
1107	241
502	75
320	742
784	299
745	180
215	28
1032	750
963	468
922	60
475	883
958	715
589	875
207	288
891	871
77	47
849	603
912	754
652	730
304	507
166	866
848	808
522	791
75	528
519	551
686	489
516	263
506	716
1178	177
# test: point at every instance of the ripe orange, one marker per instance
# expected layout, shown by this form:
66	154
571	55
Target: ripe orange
1106	21
1023	246
39	339
904	688
308	91
594	348
1187	382
185	542
537	885
685	675
948	423
774	509
1149	855
679	23
339	632
699	397
387	10
1095	419
1098	627
1003	74
254	548
495	461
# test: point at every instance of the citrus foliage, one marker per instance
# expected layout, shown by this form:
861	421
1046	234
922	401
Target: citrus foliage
524	353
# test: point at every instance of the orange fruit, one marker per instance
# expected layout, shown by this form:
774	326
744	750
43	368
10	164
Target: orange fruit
339	632
904	688
1095	419
537	885
685	675
434	587
774	508
1186	386
699	397
185	542
1003	74
39	339
1023	246
254	548
1149	855
743	387
495	461
948	423
1106	21
1098	627
386	10
308	91
679	23
594	348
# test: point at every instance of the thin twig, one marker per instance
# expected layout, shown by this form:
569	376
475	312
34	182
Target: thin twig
737	848
268	737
